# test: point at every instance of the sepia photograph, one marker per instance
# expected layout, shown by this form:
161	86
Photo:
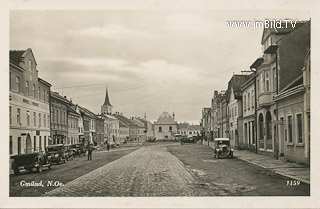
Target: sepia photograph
159	102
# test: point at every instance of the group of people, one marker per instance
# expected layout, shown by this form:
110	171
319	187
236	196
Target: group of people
90	149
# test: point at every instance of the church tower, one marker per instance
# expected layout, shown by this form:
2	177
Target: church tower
107	108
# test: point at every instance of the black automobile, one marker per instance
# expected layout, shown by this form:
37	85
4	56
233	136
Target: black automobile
222	148
58	153
78	149
32	159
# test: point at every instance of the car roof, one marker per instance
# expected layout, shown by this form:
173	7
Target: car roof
221	139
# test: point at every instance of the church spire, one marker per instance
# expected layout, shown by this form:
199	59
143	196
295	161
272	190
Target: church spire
107	101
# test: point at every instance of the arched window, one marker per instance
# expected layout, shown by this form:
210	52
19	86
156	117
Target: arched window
269	130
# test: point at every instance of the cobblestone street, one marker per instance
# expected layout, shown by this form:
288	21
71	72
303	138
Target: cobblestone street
188	170
149	171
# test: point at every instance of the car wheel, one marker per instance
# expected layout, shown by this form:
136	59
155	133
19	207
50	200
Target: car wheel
64	160
218	156
16	171
49	166
39	168
231	156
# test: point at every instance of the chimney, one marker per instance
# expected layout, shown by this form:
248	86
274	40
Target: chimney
173	115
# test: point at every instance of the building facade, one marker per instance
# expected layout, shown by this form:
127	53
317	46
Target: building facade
29	110
248	112
165	127
59	118
206	124
73	125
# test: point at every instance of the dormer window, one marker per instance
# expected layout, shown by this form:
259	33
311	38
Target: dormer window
30	65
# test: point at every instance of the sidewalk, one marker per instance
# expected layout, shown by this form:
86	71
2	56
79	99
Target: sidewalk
288	169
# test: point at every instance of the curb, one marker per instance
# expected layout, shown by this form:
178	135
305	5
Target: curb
277	172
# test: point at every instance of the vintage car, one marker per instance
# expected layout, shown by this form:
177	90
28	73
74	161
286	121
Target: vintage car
185	139
78	149
69	152
32	159
58	153
222	148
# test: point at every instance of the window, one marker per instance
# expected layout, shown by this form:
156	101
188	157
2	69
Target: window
28	118
19	145
34	143
44	120
231	112
252	95
34	119
290	128
34	90
48	121
160	129
274	79
267	88
18	116
30	65
27	88
249	101
44	94
299	128
39	119
45	141
10	118
258	86
170	128
262	82
235	111
18	84
10	145
244	103
39	93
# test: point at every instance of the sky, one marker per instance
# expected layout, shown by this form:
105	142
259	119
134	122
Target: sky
151	60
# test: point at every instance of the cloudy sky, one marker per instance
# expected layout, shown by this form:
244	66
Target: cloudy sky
151	60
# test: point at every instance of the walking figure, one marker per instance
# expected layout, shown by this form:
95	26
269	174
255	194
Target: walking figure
90	149
108	146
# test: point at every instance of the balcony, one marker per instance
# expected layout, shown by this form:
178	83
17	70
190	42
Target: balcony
265	99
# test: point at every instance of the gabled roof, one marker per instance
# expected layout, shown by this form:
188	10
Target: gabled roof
165	118
58	96
194	127
285	28
86	112
124	120
17	55
236	82
183	125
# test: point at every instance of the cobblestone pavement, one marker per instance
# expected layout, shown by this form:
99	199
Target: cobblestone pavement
149	171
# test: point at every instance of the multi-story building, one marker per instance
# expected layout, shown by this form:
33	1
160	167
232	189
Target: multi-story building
183	129
81	137
73	124
29	111
89	126
127	123
141	128
206	123
234	100
99	130
284	51
165	127
248	113
149	127
59	119
112	130
194	130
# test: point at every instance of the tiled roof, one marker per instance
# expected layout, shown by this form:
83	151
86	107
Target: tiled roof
236	82
194	127
165	118
183	125
16	56
124	120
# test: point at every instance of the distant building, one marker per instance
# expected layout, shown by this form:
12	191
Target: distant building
234	100
183	129
248	133
59	118
148	126
112	130
165	127
127	123
29	111
73	124
194	130
99	139
206	123
107	108
89	125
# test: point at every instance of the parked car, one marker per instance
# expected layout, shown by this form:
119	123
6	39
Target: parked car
57	152
34	159
222	148
78	149
185	139
69	152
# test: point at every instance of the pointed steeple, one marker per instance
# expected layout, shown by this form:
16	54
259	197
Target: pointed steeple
107	101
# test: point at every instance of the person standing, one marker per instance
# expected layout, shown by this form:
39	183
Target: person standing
108	146
90	149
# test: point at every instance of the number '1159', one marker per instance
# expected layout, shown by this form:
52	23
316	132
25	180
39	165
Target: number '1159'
293	183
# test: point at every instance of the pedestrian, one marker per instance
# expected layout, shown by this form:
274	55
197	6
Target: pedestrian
90	149
108	146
